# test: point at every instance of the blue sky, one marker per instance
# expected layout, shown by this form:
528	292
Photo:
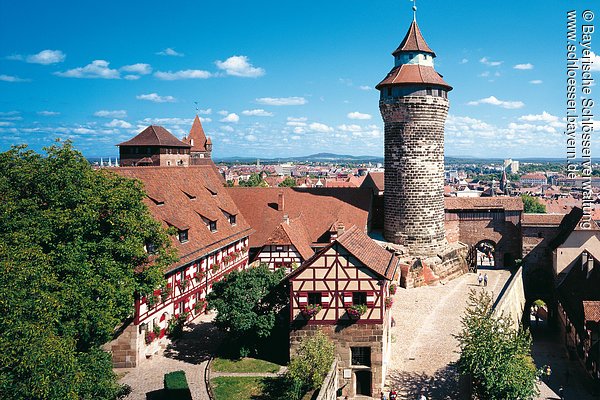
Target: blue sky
275	78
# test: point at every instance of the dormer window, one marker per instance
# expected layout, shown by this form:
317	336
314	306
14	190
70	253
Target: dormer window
232	219
183	235
212	225
150	248
429	91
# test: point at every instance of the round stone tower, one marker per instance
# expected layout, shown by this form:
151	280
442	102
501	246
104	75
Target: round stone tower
414	105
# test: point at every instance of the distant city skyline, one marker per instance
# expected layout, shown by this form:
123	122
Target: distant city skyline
274	80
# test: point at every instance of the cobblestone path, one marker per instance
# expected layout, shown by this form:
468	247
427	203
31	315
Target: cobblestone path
423	346
189	354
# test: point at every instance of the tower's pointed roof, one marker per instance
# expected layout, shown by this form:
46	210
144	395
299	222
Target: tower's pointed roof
413	41
196	137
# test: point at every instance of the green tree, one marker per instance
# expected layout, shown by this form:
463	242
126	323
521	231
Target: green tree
71	259
495	355
248	302
288	182
532	204
254	180
310	366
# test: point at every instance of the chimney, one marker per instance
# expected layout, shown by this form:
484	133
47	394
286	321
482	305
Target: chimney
286	219
340	229
280	202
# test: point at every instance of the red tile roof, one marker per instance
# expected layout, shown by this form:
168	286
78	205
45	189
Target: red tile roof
413	41
316	208
155	135
374	180
542	219
591	310
197	136
368	252
183	198
409	74
292	233
475	203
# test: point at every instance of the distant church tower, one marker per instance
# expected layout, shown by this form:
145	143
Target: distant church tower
414	105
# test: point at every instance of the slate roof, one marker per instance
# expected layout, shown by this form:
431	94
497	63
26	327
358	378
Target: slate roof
413	41
316	208
409	74
155	135
180	197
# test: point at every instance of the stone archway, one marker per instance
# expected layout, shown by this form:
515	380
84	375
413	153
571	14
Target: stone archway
486	254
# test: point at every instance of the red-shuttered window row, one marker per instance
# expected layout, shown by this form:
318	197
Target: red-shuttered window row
324	298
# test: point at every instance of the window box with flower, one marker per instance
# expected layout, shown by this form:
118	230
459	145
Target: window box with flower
165	292
198	276
214	267
356	311
199	306
393	288
311	310
150	337
389	302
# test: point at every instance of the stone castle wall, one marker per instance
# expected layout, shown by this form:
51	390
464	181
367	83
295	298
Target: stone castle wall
374	335
414	172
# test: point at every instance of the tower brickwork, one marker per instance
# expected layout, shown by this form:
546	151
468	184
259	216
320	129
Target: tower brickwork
414	106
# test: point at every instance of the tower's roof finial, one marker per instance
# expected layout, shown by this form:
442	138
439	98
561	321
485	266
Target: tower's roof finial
414	7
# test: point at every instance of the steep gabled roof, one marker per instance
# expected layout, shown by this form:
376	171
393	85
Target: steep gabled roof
364	249
155	135
292	233
197	136
568	224
413	41
316	208
172	205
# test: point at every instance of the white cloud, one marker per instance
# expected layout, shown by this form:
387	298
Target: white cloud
11	78
259	112
227	128
489	62
46	57
205	111
185	74
464	61
523	66
118	123
154	97
14	57
97	69
484	74
536	82
295	123
365	87
48	113
169	52
543	117
595	61
111	114
239	66
132	77
359	115
251	138
296	137
222	112
318	127
282	101
233	117
139	68
495	102
297	119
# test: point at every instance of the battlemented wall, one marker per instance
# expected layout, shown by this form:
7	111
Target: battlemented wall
414	172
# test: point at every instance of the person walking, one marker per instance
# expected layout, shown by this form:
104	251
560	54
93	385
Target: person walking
561	393
479	279
485	279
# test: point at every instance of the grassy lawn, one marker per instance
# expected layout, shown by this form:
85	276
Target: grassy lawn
243	365
238	388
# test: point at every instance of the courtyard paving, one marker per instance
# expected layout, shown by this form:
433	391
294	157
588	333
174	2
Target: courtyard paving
423	346
190	354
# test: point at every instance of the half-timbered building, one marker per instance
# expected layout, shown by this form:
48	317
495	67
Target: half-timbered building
211	237
343	290
291	224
